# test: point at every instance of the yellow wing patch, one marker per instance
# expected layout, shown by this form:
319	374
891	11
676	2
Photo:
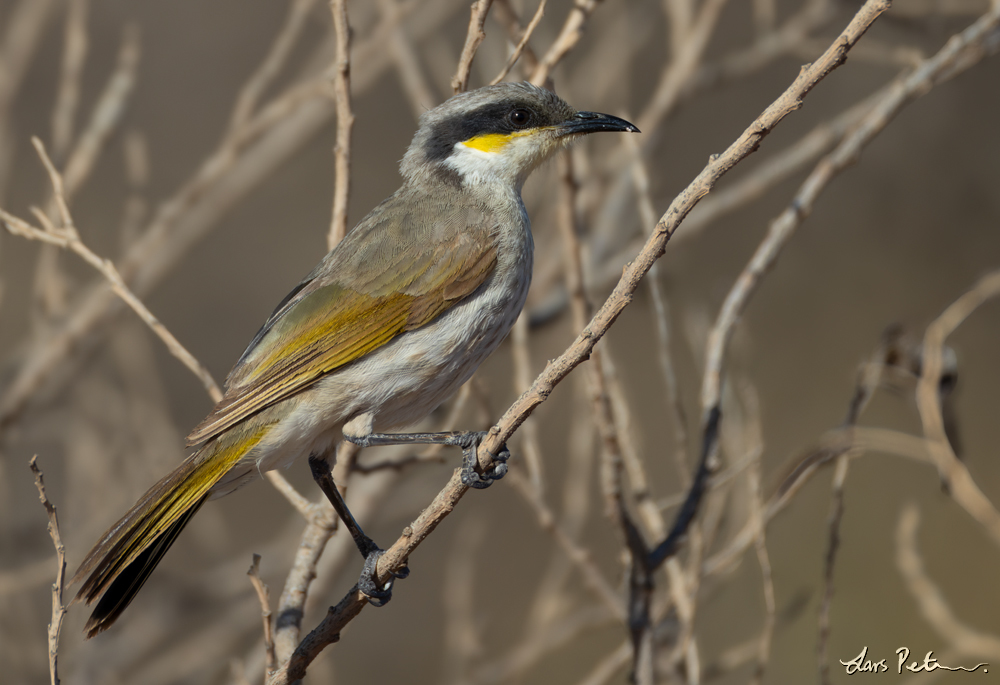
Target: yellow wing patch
331	327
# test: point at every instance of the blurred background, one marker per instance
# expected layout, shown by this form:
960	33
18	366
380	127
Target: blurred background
196	140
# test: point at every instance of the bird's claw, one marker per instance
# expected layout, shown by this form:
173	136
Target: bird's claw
368	582
470	477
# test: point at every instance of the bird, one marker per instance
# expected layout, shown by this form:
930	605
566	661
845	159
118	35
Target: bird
392	321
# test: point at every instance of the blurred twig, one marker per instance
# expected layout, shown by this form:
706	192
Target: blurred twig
104	119
519	48
869	379
24	28
74	56
956	475
67	237
473	39
567	39
248	99
345	122
58	609
930	600
270	660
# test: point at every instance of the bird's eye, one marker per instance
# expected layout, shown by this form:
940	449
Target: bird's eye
519	118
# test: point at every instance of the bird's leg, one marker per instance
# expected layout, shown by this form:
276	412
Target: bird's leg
467	440
368	581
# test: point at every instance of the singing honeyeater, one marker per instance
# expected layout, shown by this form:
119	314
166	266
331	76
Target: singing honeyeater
388	325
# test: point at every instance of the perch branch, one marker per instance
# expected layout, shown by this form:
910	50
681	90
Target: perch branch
351	605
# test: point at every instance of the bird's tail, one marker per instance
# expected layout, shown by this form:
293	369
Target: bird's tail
125	556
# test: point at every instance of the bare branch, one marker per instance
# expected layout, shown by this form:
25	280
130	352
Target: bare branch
274	62
351	605
519	48
320	527
570	35
473	39
960	484
67	237
270	660
74	57
58	609
929	598
345	122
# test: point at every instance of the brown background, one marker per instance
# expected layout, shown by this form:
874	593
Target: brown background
895	239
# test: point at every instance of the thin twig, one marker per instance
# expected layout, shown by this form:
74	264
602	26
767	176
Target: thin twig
50	284
519	48
407	60
682	67
291	604
73	58
580	556
930	600
557	635
298	501
869	379
345	122
507	17
523	372
567	39
58	609
25	25
959	481
832	545
850	441
473	39
107	113
264	595
758	180
660	315
275	60
67	237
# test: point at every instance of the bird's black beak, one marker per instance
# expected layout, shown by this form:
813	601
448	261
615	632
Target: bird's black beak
591	122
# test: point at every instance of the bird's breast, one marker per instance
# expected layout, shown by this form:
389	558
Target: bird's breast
409	377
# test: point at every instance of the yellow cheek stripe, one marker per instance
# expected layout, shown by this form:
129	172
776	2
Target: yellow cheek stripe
494	142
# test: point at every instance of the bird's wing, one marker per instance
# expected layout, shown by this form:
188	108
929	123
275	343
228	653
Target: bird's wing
406	263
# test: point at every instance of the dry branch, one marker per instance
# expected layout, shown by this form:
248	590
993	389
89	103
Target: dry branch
350	606
521	44
928	596
58	609
264	596
960	483
473	39
345	122
66	236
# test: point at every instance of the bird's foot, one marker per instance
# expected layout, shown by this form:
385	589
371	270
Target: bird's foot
378	596
469	442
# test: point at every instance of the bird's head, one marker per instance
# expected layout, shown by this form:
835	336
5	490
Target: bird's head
499	133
